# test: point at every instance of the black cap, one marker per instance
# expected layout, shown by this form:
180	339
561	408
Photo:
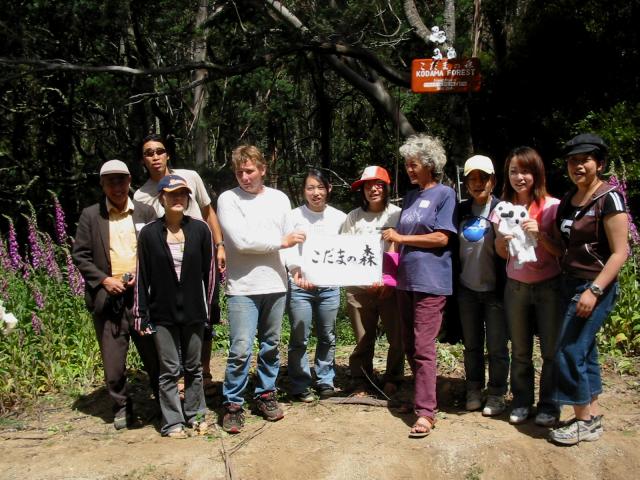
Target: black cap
584	143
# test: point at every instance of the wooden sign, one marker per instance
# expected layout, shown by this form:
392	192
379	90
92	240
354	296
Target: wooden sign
446	75
342	260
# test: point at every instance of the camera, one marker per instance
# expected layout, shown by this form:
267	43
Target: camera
127	277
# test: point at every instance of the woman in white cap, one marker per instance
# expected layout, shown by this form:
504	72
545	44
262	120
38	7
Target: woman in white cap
593	225
370	306
481	279
173	295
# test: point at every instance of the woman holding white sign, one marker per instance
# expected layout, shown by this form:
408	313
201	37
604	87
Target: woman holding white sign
306	301
426	224
368	306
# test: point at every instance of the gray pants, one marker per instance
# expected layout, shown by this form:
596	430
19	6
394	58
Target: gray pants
187	339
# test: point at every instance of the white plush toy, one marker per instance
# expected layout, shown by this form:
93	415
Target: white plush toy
522	245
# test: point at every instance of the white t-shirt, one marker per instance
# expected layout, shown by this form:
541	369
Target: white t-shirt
199	198
329	222
253	227
360	222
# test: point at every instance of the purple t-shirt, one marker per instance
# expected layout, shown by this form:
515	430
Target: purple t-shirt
427	270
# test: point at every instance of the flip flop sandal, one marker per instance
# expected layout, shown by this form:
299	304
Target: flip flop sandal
431	425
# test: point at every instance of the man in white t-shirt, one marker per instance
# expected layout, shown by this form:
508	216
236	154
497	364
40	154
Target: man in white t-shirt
256	223
156	160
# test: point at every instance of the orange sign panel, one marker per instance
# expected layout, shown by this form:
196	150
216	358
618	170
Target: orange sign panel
435	76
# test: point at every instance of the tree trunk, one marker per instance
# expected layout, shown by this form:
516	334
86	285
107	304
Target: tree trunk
200	96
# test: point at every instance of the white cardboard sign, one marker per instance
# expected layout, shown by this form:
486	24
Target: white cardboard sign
342	260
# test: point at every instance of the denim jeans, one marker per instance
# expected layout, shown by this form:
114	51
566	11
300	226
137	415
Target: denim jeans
304	305
544	298
169	340
248	315
482	314
577	371
421	315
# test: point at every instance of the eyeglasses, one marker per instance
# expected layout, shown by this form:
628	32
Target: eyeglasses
151	152
377	185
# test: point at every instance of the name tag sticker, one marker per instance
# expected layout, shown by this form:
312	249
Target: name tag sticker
424	203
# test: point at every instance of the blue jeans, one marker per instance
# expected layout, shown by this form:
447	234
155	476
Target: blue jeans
482	313
303	306
544	298
577	371
248	314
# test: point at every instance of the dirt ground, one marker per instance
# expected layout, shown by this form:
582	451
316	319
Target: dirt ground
74	439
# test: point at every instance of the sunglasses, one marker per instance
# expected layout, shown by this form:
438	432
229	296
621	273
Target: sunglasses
157	151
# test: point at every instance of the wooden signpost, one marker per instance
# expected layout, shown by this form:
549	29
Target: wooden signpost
457	75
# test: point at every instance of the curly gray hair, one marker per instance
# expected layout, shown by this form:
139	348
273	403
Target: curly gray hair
428	150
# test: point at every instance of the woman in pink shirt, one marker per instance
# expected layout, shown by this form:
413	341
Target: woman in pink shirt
532	293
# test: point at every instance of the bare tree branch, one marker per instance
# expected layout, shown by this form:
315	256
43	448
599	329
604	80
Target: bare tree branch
415	20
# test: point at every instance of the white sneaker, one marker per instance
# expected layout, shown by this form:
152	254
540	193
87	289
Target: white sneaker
575	432
474	400
519	415
495	406
544	419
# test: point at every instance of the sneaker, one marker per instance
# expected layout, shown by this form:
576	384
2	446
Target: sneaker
326	392
305	396
597	422
495	406
267	405
575	432
545	419
474	400
233	419
519	415
177	432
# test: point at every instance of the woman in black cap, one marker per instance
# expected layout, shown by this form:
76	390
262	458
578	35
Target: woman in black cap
173	294
593	226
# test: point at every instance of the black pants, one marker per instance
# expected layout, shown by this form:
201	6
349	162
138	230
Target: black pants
114	328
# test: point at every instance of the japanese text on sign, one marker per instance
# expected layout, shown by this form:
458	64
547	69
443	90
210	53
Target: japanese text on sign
342	260
446	75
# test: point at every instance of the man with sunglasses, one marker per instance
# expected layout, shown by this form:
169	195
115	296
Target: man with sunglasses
105	253
155	158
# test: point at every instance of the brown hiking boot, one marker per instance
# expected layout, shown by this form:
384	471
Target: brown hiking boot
233	419
267	405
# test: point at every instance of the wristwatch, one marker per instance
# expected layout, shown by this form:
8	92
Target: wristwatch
220	244
596	290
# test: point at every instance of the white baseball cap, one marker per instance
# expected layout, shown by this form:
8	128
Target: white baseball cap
114	166
479	162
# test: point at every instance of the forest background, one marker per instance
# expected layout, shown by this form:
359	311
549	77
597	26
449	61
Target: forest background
322	83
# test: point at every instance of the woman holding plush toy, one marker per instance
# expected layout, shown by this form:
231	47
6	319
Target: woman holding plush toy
533	285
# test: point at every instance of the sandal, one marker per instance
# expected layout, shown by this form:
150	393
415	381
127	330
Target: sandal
425	425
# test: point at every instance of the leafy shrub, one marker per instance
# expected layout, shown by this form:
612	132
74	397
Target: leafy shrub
53	345
621	332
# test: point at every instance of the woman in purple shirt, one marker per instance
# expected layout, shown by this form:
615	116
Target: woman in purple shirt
426	223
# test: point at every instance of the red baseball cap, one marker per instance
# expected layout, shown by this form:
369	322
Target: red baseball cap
372	172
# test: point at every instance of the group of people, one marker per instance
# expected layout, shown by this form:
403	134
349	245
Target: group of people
150	264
